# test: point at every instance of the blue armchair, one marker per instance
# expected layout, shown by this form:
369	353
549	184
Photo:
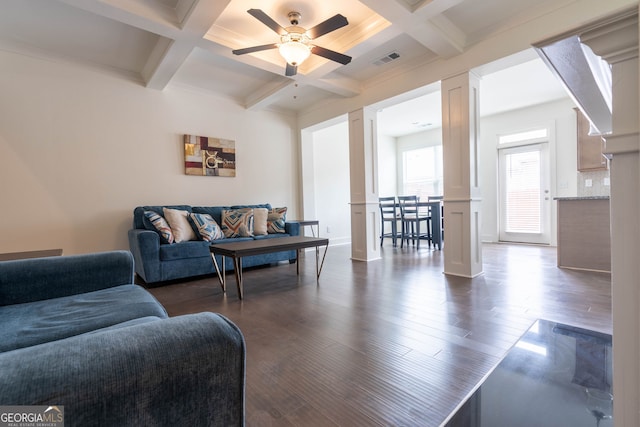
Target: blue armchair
76	332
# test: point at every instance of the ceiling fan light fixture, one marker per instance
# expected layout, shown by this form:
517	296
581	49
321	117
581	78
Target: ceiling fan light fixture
295	42
295	48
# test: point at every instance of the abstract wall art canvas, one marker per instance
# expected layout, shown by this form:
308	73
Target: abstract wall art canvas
206	156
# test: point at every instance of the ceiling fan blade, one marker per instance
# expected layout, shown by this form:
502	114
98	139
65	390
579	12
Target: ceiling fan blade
331	24
266	20
331	54
254	49
291	70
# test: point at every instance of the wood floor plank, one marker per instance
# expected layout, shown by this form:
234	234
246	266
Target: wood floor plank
392	342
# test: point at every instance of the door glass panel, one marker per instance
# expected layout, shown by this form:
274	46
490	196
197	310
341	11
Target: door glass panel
523	192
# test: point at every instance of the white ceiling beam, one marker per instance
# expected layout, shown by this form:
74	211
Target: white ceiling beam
164	61
338	85
195	24
268	94
179	30
429	9
437	35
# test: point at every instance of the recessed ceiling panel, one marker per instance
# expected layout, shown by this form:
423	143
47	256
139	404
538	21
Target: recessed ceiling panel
236	29
479	18
383	58
416	115
68	32
221	75
169	3
300	98
519	86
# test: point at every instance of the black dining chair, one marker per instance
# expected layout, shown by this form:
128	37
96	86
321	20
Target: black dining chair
439	199
412	217
389	214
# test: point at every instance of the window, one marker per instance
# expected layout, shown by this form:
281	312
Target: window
422	171
522	136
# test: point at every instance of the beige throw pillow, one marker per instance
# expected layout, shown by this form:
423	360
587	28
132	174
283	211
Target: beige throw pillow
179	224
260	221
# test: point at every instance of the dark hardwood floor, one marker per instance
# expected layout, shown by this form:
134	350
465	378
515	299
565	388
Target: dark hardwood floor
392	342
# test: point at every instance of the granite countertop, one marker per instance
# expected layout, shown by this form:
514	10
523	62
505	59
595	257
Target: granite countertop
583	198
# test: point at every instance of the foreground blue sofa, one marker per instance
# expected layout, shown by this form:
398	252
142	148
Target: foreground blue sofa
158	262
76	332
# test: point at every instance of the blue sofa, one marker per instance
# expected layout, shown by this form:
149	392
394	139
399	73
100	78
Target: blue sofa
76	332
158	262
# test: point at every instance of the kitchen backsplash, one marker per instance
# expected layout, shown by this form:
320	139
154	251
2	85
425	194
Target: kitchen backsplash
599	180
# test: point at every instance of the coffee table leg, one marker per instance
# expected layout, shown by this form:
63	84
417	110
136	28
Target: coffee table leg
298	251
221	276
319	268
237	267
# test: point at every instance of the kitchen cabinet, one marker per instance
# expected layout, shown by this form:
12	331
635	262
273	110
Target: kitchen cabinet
590	147
584	237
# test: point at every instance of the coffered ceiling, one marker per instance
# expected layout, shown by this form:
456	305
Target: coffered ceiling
189	42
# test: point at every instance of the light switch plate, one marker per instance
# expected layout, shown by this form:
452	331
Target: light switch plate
588	183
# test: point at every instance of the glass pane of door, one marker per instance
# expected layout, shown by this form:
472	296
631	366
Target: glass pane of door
524	195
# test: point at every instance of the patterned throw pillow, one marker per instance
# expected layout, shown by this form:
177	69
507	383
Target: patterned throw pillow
207	227
237	223
260	216
177	219
161	226
276	220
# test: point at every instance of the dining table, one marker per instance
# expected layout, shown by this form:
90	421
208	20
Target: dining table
435	212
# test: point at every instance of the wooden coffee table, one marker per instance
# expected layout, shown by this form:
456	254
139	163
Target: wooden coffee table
30	254
238	250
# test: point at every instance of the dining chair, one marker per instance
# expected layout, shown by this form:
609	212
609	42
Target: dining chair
412	217
389	214
439	199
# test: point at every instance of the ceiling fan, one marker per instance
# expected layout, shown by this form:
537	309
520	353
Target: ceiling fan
295	42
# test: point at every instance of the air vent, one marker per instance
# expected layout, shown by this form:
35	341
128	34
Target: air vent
387	58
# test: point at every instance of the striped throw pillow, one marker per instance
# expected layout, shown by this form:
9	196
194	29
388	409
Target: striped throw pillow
161	226
207	227
276	220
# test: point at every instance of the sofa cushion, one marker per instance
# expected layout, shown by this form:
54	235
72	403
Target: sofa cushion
206	227
276	219
237	222
185	250
43	321
180	227
159	225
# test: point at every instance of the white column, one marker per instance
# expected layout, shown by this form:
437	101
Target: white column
617	42
363	165
460	139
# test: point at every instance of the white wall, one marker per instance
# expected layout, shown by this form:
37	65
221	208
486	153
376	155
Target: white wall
331	178
80	150
387	166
